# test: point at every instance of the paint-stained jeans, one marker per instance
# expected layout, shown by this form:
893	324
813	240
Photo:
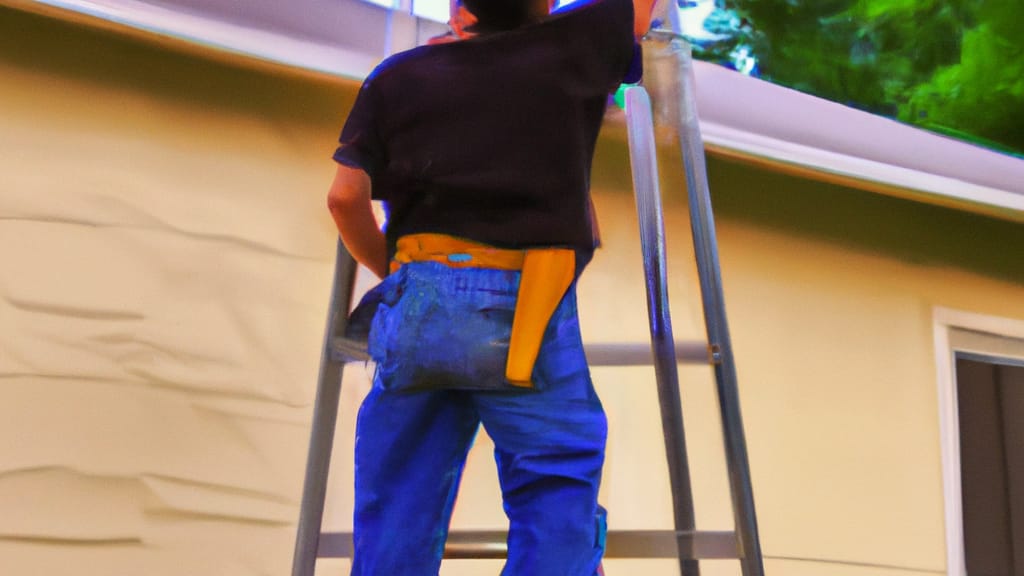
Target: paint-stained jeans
549	447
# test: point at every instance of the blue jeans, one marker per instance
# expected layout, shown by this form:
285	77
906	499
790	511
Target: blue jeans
411	448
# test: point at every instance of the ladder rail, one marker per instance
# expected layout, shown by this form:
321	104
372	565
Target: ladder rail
669	72
644	163
709	272
325	417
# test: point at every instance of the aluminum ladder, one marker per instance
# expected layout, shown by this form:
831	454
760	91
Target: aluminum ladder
685	543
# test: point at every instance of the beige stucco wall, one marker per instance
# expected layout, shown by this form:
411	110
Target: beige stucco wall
164	266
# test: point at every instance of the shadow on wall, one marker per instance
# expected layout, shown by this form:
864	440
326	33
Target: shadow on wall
913	232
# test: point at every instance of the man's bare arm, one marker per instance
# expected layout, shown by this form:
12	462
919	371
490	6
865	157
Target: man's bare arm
352	210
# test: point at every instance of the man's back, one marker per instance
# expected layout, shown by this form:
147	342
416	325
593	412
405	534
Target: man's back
491	138
487	139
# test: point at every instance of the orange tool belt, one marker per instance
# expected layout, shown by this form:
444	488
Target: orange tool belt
546	274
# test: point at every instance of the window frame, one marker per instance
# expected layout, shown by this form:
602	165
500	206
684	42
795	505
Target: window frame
1002	341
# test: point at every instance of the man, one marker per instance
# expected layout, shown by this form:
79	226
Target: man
481	150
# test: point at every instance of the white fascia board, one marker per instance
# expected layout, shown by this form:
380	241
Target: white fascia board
748	117
221	35
854	168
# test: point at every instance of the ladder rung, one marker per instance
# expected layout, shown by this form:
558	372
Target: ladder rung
346	350
620	544
600	354
640	354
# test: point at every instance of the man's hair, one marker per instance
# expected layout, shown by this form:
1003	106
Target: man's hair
500	14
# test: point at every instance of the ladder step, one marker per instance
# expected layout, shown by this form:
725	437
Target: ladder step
620	544
598	354
346	350
640	354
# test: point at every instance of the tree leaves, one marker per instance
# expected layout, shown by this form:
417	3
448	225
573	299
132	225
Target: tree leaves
955	66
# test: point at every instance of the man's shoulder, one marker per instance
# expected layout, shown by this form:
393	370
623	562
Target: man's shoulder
588	10
599	19
401	63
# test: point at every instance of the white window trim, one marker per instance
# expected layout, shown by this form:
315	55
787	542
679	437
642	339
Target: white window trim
946	321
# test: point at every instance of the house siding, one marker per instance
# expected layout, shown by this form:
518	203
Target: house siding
165	260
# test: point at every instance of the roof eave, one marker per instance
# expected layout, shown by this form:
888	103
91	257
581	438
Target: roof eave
742	118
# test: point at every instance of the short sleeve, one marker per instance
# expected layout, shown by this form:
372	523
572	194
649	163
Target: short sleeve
360	145
605	45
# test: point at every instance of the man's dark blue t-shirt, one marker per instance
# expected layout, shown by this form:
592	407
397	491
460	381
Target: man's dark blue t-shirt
492	138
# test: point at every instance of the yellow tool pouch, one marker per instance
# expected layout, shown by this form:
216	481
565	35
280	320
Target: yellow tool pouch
546	274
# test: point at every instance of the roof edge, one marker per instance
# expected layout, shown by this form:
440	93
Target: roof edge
810	147
861	173
217	39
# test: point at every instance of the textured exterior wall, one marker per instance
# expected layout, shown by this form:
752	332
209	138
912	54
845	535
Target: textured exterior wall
165	260
164	264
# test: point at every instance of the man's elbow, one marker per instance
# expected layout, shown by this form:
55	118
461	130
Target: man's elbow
340	200
351	187
337	203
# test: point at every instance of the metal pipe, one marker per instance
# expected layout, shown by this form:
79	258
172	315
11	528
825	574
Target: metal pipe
643	158
709	272
645	544
629	354
598	353
325	416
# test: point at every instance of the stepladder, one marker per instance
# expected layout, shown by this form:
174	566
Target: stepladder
670	56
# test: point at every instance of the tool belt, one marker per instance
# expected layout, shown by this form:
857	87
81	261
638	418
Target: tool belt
546	274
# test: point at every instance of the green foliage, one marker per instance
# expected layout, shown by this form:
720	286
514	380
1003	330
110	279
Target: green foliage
983	93
955	66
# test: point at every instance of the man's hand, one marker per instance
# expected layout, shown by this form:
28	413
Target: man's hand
352	210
